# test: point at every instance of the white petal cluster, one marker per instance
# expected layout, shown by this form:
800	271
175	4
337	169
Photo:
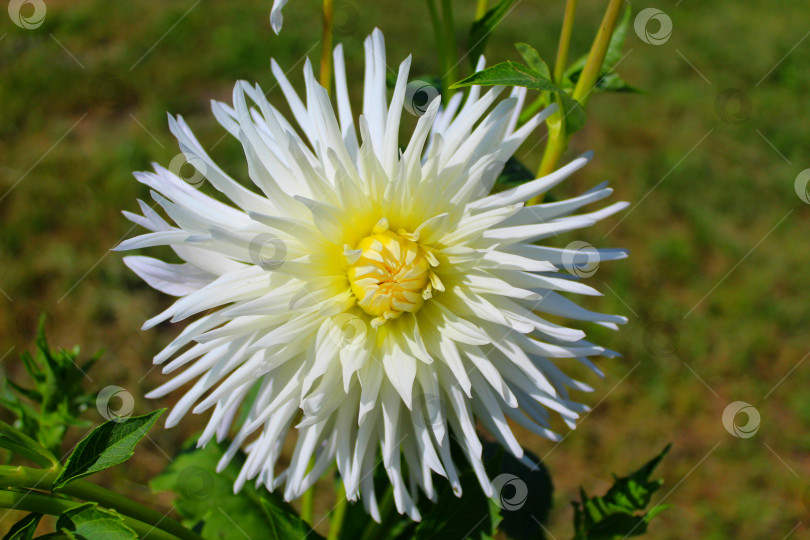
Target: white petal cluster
362	296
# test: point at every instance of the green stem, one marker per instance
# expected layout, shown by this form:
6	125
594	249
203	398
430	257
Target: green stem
450	53
338	513
565	40
440	46
326	44
481	10
46	504
593	66
27	477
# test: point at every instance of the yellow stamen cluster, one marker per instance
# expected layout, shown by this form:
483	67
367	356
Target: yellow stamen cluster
390	273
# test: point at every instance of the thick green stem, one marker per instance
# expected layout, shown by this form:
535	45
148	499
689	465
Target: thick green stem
308	504
326	45
450	53
593	66
43	479
481	9
338	513
440	46
46	504
565	40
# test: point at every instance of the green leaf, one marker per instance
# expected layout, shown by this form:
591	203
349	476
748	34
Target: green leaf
620	511
21	444
514	74
90	522
533	59
109	444
483	28
24	529
206	502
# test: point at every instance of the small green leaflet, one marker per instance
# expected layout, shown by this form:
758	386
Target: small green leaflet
620	511
109	444
24	529
90	522
483	27
533	59
514	74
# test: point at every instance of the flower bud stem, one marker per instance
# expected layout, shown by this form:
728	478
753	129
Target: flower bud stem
326	45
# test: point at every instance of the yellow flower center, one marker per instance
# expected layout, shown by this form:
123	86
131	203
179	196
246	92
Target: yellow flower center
390	273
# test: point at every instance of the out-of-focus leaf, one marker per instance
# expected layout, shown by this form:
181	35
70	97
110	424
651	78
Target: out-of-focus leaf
483	28
514	173
207	503
56	400
522	492
621	511
514	74
109	444
90	522
24	529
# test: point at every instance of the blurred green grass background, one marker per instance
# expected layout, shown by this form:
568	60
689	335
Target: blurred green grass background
715	287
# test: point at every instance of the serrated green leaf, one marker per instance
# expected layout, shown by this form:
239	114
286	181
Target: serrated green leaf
24	529
109	444
533	59
483	28
620	512
91	522
514	74
207	503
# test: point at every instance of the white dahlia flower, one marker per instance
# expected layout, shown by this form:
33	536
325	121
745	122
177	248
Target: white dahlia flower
365	294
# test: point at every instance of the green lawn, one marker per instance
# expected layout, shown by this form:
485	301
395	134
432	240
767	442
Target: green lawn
713	288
